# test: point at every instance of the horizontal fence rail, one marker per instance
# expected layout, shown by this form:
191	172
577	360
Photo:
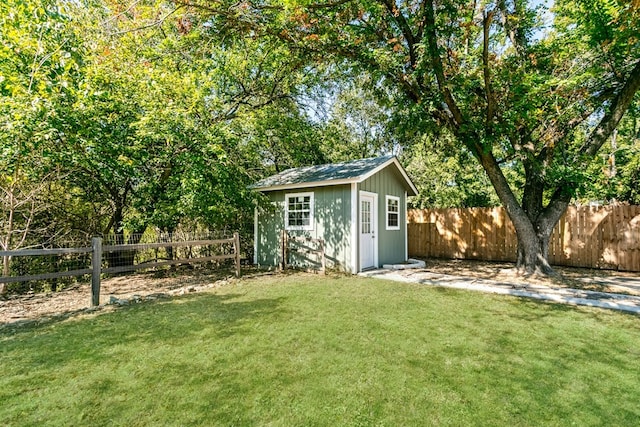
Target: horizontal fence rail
45	252
302	246
101	253
606	237
138	246
143	265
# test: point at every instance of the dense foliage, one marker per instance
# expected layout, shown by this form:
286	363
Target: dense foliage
121	117
519	89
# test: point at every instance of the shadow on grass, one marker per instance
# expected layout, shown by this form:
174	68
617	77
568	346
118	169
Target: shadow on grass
531	309
163	293
172	322
163	347
535	309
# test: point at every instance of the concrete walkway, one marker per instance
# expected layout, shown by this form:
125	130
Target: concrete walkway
612	301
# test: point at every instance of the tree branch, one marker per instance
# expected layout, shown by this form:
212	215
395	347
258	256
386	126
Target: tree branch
563	193
402	23
517	39
610	121
491	101
436	62
422	22
156	23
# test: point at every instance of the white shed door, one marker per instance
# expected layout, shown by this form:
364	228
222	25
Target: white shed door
367	231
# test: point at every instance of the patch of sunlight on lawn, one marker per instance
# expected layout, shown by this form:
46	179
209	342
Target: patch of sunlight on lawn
310	350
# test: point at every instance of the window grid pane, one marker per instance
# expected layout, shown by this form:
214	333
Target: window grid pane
393	219
393	213
365	208
299	211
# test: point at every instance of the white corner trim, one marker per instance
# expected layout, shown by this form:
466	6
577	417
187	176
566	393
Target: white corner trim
255	235
354	229
406	227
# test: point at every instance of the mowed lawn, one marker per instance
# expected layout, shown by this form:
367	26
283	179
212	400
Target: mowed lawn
303	350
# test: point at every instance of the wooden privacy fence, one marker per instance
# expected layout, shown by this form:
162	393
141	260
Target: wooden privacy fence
97	250
606	237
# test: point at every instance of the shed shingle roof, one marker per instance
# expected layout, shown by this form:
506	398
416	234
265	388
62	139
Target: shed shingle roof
330	174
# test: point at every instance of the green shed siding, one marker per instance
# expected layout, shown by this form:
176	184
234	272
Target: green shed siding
270	224
332	219
391	243
336	188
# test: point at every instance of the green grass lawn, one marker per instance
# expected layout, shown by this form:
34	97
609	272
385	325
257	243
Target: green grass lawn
306	350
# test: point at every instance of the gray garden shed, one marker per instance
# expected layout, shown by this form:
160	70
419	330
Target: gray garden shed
358	208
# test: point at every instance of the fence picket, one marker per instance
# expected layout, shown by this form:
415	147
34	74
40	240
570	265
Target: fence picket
289	249
594	237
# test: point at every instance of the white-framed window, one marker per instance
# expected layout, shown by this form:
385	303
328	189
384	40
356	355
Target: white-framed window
298	211
393	212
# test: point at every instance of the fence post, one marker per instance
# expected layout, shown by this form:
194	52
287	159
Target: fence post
236	250
283	249
96	266
324	259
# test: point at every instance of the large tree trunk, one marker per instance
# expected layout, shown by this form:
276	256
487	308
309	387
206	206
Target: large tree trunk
533	253
533	244
533	224
125	257
170	249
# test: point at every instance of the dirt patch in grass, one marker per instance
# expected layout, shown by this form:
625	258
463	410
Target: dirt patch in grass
130	289
115	291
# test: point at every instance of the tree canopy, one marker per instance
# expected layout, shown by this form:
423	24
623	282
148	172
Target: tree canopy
119	117
512	85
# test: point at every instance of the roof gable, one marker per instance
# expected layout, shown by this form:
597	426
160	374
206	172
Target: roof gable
332	174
